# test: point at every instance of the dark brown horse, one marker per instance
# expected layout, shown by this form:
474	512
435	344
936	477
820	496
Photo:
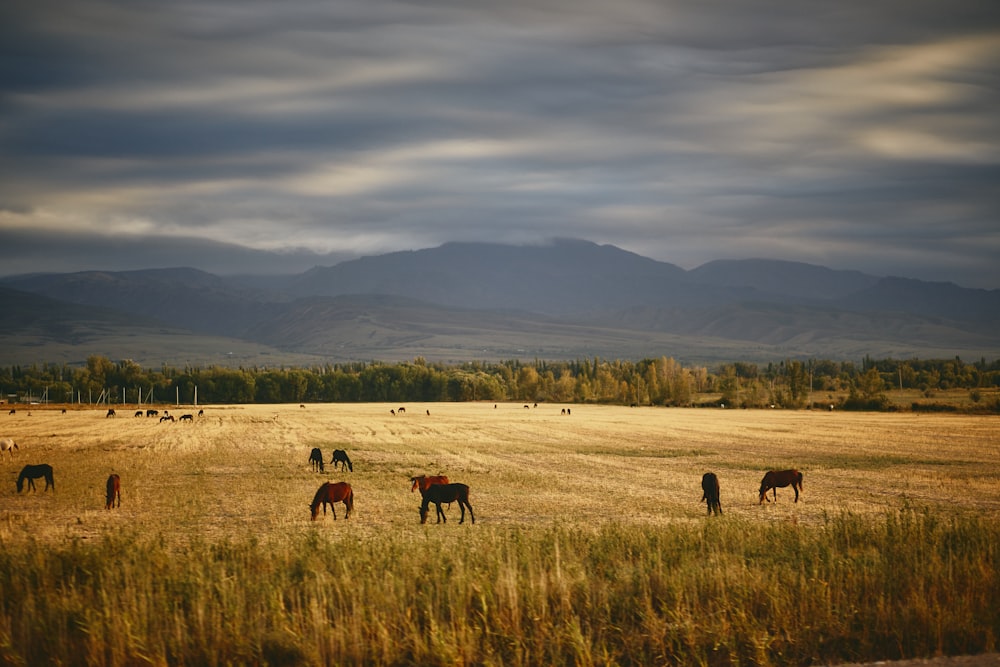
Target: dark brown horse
780	478
330	493
446	493
710	492
33	472
341	457
114	492
423	481
316	458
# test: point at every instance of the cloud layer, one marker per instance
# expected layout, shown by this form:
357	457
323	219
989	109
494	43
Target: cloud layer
855	135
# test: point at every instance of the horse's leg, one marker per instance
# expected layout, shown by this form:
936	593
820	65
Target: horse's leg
440	513
31	483
472	516
795	487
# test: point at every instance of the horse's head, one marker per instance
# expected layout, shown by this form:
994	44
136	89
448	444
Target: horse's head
423	513
313	511
416	481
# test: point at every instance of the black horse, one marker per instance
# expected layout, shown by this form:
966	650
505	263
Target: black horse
316	458
33	472
445	493
710	489
341	457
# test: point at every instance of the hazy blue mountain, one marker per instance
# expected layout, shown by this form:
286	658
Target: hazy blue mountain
570	299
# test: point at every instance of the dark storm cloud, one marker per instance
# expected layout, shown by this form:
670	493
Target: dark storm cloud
856	135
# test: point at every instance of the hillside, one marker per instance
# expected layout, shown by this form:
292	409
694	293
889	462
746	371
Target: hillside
468	301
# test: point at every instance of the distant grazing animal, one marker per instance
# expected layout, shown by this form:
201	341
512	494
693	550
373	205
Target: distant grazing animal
201	413
401	410
8	445
422	482
316	459
341	457
166	418
189	418
780	478
13	411
111	413
114	492
329	494
392	411
446	493
139	413
152	413
33	472
64	410
302	405
710	489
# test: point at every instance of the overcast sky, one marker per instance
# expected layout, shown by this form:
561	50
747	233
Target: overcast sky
853	134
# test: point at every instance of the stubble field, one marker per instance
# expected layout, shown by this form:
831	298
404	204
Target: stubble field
590	544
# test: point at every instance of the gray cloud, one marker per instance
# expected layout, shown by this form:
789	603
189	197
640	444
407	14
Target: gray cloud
856	135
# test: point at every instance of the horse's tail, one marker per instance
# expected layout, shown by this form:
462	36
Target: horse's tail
800	479
350	501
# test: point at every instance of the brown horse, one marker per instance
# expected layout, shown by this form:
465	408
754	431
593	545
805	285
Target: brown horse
446	493
422	482
33	472
114	492
330	493
710	492
780	478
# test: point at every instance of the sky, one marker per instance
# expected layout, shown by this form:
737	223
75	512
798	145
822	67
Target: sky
253	136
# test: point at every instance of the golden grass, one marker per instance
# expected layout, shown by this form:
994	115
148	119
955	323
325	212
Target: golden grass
245	469
221	504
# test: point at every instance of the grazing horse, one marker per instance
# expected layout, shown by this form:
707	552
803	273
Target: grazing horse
710	489
329	494
8	445
166	418
139	413
341	457
422	482
446	493
780	478
152	413
33	472
189	418
114	487
316	458
201	413
111	413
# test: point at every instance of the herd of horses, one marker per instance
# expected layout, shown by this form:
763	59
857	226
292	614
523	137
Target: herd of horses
433	489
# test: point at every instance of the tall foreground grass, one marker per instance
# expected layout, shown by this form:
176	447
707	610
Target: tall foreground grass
723	591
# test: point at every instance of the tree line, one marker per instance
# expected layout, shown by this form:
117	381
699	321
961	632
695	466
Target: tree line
661	381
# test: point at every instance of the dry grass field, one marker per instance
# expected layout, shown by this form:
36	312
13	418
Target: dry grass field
239	475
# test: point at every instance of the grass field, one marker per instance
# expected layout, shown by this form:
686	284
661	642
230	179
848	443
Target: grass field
590	544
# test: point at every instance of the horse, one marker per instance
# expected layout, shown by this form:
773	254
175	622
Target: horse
166	418
446	493
341	457
780	478
152	413
111	413
114	487
201	413
400	410
710	489
329	494
422	482
189	418
316	459
8	445
33	472
139	413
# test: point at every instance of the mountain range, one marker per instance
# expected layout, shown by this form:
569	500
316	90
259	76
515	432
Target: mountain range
570	299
